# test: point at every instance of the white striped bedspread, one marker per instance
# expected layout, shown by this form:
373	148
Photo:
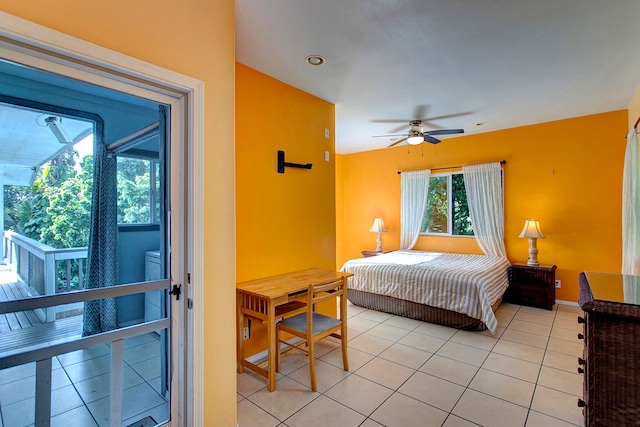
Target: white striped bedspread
463	283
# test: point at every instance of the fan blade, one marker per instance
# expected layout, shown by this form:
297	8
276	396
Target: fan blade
429	121
444	131
431	139
385	121
397	129
397	142
385	136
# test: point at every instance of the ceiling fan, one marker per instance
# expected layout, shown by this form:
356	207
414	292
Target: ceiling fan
417	134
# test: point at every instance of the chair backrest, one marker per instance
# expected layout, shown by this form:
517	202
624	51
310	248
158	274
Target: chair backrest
325	292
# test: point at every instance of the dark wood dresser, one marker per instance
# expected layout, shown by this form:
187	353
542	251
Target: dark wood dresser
532	285
611	360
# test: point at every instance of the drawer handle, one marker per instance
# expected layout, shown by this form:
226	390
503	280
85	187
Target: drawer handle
580	371
580	336
580	319
581	403
581	361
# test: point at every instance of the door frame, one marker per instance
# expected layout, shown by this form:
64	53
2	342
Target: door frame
41	47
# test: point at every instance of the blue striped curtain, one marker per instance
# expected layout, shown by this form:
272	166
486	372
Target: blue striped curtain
102	258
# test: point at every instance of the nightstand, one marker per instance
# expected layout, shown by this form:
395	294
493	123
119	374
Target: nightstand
532	285
367	254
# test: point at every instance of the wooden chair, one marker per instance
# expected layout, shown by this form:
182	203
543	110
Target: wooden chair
312	326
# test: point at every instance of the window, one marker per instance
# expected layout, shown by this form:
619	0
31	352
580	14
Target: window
447	212
137	191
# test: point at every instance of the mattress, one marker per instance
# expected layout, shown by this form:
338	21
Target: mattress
462	283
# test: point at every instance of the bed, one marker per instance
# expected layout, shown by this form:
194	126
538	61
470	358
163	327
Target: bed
458	290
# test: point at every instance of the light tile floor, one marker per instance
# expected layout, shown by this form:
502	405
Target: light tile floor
406	373
80	387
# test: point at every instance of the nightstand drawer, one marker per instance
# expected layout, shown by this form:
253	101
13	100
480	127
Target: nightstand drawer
530	278
532	285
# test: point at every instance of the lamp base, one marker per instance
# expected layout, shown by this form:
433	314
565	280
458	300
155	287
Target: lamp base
533	253
379	242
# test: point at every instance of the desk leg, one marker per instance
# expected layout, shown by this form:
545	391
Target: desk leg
239	337
272	345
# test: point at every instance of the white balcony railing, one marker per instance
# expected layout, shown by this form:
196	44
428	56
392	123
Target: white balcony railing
46	270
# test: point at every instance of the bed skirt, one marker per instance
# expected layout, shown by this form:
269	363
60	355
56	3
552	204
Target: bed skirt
417	311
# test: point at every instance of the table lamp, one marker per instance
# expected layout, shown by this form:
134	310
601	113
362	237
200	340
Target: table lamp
378	227
532	231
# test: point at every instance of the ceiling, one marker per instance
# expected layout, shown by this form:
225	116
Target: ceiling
455	63
27	142
28	97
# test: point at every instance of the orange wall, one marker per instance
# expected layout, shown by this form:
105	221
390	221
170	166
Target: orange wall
566	173
285	222
195	38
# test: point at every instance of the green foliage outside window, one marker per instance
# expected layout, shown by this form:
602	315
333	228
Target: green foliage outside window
134	191
445	190
56	208
461	219
435	219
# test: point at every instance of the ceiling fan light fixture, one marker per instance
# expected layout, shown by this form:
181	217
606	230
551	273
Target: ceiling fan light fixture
415	140
314	60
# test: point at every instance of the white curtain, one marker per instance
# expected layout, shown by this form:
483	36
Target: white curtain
630	207
483	185
414	189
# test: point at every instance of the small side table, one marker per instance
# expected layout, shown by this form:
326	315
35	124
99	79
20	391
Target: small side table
532	285
367	254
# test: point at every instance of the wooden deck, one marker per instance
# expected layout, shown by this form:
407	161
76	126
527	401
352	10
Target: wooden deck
28	328
12	289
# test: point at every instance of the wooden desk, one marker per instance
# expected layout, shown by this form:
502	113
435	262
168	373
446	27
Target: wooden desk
258	300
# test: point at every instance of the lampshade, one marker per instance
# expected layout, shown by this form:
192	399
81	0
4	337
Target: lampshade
378	226
532	230
415	140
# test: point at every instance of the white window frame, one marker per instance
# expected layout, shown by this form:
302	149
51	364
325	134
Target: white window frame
40	47
449	176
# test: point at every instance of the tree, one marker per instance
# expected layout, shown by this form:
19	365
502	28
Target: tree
14	196
56	209
435	220
461	219
133	190
70	208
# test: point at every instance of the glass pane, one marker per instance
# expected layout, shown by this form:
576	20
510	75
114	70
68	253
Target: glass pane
436	213
157	196
461	220
80	386
134	192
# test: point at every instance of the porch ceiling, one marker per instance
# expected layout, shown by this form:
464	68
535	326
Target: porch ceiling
26	142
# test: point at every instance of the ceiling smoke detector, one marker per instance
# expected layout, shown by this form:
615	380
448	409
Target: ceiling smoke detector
314	60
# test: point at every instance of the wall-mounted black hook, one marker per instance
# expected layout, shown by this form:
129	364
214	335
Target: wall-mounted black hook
282	163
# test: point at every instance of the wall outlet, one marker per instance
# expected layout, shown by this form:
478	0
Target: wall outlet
558	284
326	133
245	333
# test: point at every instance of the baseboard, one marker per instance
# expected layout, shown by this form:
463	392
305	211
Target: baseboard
261	357
570	303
